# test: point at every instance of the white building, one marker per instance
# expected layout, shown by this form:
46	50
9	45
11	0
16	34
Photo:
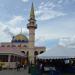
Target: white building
20	48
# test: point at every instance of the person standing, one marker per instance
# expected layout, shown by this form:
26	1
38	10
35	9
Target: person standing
18	66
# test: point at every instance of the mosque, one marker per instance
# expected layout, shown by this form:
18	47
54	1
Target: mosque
21	48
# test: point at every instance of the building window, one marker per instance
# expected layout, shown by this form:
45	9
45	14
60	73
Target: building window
23	41
2	46
19	45
8	45
13	46
19	41
24	46
4	58
12	58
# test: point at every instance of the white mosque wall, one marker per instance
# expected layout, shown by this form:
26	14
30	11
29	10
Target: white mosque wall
40	49
9	65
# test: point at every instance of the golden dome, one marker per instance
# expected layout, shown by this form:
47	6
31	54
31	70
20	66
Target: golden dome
20	38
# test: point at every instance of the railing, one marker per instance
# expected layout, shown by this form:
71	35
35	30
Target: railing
33	26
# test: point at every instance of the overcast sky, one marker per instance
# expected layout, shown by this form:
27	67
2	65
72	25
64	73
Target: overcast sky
55	20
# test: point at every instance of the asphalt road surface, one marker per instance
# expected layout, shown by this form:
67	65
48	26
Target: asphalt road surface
14	72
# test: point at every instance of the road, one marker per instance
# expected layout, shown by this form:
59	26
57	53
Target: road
14	72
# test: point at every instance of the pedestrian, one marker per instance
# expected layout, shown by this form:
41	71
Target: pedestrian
41	69
18	66
24	66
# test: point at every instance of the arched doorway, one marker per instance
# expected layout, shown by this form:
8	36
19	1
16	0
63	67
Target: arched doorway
22	59
36	53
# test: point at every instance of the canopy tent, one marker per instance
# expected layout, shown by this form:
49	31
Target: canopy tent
58	53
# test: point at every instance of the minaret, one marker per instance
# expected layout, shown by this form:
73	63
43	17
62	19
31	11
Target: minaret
31	26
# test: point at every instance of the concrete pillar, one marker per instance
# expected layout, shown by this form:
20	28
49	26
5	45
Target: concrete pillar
9	58
31	55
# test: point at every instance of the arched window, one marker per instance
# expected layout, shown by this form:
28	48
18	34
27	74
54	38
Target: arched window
36	53
24	46
13	46
41	52
8	45
23	41
23	52
2	46
19	41
19	45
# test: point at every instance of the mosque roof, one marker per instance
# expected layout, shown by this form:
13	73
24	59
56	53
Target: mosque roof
14	51
20	38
